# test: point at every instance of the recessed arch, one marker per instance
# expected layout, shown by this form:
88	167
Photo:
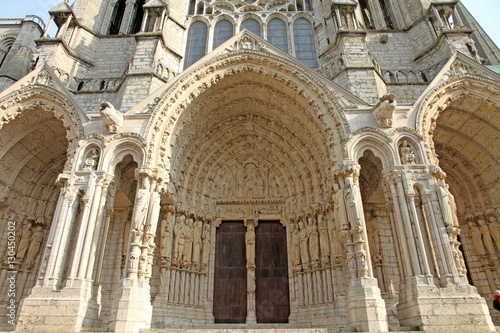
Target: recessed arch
459	124
220	121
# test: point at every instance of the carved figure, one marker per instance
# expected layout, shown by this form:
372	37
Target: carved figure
295	250
141	205
487	240
324	240
180	240
304	246
274	188
111	118
353	202
35	242
166	238
206	237
494	228
312	231
384	110
407	154
336	246
197	242
91	160
133	264
447	203
339	207
250	246
187	254
373	240
477	241
24	242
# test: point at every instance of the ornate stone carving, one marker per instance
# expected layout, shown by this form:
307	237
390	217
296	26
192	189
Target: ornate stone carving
141	205
179	240
384	110
407	154
166	236
24	242
111	118
91	160
35	243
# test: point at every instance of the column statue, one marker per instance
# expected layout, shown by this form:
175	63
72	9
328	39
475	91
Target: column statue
339	212
304	246
187	254
324	241
22	248
353	202
250	246
206	240
166	238
141	205
477	241
295	250
494	228
373	240
197	242
312	232
447	203
487	240
179	240
35	242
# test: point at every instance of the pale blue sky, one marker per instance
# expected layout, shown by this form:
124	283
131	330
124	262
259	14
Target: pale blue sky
487	12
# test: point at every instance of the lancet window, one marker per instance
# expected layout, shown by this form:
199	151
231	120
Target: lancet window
196	43
277	34
305	49
251	25
223	31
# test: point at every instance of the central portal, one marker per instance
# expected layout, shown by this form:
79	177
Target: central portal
243	290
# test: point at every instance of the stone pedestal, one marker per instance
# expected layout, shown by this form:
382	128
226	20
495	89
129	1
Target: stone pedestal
131	310
456	308
366	308
66	310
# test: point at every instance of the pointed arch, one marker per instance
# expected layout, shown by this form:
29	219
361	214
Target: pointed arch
240	109
456	119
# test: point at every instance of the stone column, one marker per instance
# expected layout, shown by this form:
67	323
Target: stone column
366	308
77	297
130	9
419	294
131	309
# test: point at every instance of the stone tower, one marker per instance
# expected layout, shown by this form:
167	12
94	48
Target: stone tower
240	163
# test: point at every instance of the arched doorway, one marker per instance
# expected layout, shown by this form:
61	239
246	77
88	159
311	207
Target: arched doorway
465	137
250	145
33	156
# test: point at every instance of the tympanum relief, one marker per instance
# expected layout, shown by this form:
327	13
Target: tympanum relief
250	190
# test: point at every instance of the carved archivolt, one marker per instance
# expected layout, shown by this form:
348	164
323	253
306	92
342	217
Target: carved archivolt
192	84
439	98
47	99
239	110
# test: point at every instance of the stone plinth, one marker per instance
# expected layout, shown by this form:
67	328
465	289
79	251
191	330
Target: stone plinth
456	308
366	308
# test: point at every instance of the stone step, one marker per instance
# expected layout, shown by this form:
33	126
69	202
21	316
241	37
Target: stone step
263	328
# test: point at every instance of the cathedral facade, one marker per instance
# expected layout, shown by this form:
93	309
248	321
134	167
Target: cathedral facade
249	164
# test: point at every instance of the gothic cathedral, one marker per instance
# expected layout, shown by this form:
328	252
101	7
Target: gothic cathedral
255	164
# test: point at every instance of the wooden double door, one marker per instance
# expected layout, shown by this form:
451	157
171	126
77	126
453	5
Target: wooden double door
231	287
